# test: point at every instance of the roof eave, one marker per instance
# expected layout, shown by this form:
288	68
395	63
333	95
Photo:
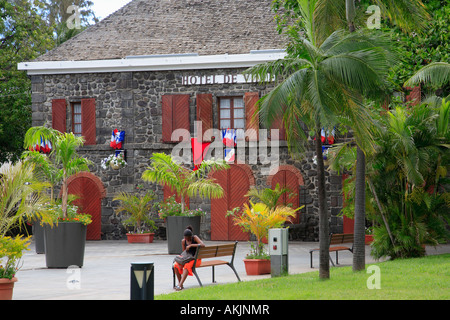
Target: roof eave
166	63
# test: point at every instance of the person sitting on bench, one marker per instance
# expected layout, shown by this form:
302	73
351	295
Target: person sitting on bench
190	243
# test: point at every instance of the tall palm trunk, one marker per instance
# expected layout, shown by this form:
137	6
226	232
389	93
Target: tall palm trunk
359	248
324	237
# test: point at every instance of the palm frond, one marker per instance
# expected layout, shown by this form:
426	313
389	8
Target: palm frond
205	188
436	74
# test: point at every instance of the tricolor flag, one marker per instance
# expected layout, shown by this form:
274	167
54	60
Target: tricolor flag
117	138
229	137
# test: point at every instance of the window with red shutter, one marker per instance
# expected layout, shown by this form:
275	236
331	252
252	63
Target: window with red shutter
77	123
175	115
59	115
231	113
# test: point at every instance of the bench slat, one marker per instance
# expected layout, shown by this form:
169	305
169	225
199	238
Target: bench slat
211	263
207	252
341	238
225	250
338	248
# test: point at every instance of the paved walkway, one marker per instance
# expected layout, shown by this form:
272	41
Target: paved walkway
106	271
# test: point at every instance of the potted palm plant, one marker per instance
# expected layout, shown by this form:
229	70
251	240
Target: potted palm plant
270	197
257	219
20	196
186	183
65	240
137	210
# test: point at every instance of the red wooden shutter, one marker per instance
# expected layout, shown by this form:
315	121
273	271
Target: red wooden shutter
88	120
251	119
181	113
204	111
167	118
59	109
175	115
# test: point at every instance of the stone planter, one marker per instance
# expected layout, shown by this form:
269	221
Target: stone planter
175	229
65	244
140	237
6	288
255	267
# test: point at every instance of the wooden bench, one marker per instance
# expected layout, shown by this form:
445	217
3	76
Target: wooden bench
337	239
215	251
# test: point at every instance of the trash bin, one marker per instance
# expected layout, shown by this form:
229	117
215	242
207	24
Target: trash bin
142	282
278	250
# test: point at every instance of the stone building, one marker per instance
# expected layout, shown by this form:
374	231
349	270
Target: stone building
158	65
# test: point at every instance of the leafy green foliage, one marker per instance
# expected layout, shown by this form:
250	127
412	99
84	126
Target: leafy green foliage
409	176
24	35
11	251
419	49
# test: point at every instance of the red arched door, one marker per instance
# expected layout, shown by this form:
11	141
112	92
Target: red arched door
90	190
289	177
236	182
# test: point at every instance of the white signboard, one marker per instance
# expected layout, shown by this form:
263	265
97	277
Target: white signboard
222	79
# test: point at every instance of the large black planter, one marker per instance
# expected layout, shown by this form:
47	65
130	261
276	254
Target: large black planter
175	229
38	237
64	244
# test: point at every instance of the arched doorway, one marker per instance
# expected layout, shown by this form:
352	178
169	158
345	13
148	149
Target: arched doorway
91	191
236	182
288	176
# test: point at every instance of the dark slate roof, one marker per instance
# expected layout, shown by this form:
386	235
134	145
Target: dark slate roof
152	27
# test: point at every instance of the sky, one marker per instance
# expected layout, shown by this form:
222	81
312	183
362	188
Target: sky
103	8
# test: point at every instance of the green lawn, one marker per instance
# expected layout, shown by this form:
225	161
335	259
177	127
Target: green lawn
420	278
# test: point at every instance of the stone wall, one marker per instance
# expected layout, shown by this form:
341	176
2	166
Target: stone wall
131	101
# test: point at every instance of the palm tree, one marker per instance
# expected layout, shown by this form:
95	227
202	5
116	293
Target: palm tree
322	85
409	16
331	15
186	183
64	155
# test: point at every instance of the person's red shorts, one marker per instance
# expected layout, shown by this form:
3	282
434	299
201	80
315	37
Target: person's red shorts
187	266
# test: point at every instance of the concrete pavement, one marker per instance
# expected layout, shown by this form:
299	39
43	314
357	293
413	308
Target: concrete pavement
106	271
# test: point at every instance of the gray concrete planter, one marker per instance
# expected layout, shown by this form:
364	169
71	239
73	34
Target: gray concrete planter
64	244
175	228
38	237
